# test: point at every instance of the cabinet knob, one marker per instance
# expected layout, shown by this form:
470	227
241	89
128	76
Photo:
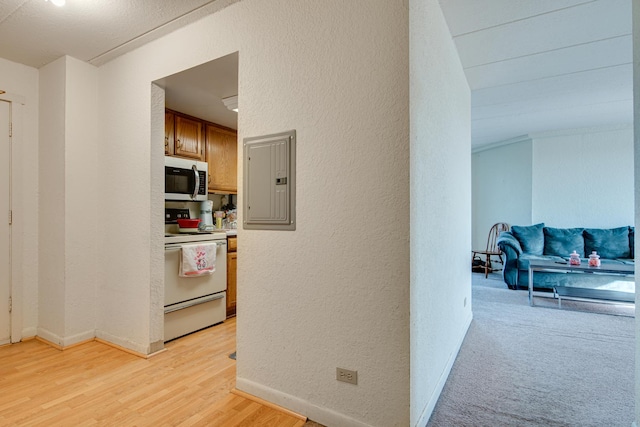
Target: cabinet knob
209	179
178	143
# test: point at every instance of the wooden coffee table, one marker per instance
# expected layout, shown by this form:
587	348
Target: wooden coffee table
583	293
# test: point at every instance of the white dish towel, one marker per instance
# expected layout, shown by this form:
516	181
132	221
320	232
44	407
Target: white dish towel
198	259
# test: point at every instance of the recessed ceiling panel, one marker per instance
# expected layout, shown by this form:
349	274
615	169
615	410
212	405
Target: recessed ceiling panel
569	27
487	131
575	59
541	65
464	16
614	83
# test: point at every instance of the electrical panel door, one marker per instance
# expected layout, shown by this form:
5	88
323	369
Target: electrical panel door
269	182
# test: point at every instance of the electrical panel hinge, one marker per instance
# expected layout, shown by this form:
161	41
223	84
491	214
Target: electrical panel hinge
10	217
10	304
10	129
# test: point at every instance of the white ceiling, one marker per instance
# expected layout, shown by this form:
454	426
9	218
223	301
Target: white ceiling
542	65
199	91
35	32
533	65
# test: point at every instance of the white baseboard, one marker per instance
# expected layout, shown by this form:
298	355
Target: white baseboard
77	338
316	413
125	344
28	333
50	336
64	342
431	404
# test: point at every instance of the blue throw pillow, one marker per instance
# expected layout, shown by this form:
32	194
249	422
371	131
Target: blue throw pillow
563	241
530	237
610	243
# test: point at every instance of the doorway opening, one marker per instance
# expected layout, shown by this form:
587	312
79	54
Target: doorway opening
201	125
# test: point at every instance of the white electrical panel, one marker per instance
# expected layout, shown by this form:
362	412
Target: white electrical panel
269	182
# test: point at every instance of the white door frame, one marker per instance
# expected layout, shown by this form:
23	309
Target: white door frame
5	203
17	103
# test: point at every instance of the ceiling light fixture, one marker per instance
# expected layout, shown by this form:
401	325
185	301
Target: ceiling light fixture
231	103
58	3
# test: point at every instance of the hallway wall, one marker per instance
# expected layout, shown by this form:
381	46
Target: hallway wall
440	206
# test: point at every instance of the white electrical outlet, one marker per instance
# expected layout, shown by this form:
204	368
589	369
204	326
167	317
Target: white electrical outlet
347	376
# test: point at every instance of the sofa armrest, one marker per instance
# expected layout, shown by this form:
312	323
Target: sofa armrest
510	247
508	240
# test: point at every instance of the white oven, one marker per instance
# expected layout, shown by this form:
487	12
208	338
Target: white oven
193	303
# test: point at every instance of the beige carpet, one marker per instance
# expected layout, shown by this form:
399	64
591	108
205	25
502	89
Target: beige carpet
537	366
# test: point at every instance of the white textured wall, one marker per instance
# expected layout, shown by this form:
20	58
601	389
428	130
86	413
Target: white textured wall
440	206
501	189
340	296
124	243
51	248
68	201
584	178
332	293
81	198
22	82
636	156
157	204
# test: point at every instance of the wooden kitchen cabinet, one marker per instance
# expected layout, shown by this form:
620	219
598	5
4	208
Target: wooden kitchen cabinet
169	132
183	136
189	141
232	257
222	157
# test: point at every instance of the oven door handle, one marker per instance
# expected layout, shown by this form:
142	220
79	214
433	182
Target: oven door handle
192	303
196	184
176	246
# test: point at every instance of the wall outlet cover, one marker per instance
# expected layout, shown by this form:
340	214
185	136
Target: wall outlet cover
347	376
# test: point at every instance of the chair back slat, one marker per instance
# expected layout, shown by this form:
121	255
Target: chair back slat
494	233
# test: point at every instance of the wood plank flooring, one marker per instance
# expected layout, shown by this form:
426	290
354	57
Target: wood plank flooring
94	384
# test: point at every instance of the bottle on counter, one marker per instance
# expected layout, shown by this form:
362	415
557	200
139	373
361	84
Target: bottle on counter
594	259
218	215
574	258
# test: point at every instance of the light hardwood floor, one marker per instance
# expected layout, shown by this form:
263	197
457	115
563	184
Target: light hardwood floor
94	384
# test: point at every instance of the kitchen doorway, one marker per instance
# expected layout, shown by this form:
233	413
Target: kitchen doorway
5	227
201	123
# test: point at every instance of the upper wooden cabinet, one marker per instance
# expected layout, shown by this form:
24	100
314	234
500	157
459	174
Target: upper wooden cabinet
222	157
189	141
190	137
169	132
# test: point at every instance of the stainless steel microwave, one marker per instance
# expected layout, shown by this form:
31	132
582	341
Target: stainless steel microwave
185	179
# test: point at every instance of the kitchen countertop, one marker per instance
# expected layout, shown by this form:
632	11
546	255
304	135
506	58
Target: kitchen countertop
231	231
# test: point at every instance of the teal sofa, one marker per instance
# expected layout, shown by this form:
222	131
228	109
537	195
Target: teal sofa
522	244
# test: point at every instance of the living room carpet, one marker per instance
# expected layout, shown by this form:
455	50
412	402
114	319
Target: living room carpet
539	366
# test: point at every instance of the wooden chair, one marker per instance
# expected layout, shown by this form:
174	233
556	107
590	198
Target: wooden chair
492	250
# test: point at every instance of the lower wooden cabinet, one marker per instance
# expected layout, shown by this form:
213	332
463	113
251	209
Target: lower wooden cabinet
232	257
